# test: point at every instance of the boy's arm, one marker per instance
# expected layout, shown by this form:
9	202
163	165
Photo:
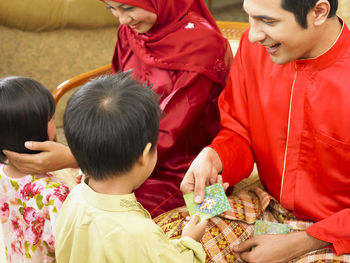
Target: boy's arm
151	245
190	250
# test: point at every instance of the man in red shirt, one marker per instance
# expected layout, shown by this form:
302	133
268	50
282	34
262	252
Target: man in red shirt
286	107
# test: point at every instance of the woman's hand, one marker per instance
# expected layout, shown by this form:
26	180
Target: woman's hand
78	178
193	229
53	156
278	248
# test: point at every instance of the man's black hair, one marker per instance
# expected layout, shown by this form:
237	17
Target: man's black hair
300	9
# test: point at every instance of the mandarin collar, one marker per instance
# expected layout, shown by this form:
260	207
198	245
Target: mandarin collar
333	54
111	203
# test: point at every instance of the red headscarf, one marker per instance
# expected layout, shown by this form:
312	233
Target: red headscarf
170	45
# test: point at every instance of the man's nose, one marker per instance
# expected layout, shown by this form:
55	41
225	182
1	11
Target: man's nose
256	34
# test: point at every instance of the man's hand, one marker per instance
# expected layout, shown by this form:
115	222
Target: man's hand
53	156
278	248
203	171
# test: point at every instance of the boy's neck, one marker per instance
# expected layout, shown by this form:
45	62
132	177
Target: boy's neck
13	172
120	184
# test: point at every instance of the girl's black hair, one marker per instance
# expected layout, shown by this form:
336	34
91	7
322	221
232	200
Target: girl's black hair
26	107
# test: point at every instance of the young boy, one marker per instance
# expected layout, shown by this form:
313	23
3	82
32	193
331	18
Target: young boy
111	125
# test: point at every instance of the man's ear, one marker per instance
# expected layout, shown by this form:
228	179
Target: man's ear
143	158
320	12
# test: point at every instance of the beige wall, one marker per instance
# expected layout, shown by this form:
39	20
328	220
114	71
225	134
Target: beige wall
344	10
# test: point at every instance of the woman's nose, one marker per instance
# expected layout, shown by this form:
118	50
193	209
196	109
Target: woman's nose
124	19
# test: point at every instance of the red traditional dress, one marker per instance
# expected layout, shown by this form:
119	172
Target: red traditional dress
186	60
293	121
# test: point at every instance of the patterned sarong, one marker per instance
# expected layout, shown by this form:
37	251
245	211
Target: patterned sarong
237	225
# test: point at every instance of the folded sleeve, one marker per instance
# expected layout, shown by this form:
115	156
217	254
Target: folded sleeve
334	229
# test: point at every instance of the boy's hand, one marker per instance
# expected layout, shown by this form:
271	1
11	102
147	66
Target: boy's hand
193	229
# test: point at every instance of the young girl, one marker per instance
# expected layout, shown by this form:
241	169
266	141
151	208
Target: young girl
28	203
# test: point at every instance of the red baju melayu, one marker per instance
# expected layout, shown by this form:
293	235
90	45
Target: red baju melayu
293	121
186	60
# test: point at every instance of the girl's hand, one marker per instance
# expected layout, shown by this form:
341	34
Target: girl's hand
193	229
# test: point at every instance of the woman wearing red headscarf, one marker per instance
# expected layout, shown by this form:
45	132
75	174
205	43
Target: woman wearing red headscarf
175	46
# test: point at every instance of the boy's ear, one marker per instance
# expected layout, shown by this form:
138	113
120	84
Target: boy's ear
145	154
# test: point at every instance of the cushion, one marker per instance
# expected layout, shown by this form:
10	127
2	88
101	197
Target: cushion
40	15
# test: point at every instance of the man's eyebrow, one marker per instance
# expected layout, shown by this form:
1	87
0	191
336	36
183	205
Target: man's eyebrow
121	5
261	17
264	17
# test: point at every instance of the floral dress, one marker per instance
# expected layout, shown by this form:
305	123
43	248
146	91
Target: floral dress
28	211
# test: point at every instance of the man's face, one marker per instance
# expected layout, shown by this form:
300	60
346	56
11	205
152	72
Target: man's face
278	31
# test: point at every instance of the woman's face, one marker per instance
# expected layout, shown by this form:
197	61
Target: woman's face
137	18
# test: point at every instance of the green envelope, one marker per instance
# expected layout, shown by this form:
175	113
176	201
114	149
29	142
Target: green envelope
264	227
215	202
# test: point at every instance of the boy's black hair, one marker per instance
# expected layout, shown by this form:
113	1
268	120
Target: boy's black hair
300	9
108	122
26	107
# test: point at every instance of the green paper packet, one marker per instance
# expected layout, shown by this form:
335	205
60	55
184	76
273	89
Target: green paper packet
264	227
215	202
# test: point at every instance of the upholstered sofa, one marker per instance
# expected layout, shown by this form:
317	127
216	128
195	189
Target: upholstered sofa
53	40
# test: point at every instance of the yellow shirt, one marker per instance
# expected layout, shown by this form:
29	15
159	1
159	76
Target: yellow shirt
97	228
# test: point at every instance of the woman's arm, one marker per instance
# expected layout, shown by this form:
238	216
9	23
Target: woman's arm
53	156
184	110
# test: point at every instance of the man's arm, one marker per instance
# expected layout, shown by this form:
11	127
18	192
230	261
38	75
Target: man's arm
278	248
230	152
334	229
